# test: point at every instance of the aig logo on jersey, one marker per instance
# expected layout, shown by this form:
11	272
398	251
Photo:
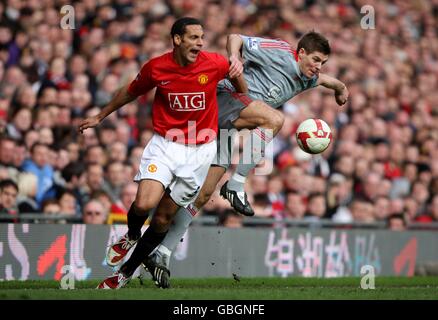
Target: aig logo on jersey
191	101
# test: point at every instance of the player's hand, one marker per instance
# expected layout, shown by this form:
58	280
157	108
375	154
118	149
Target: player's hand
90	122
342	96
236	67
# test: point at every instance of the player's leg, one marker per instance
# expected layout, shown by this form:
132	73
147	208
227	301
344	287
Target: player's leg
267	122
155	174
148	196
154	234
240	112
184	190
184	216
258	114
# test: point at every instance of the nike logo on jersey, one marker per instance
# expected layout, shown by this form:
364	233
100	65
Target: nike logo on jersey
163	83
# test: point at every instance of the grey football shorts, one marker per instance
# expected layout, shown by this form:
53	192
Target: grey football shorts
230	105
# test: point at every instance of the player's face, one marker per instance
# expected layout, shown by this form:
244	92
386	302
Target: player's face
310	64
8	196
190	44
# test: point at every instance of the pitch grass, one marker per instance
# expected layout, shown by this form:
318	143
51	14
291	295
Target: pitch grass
294	288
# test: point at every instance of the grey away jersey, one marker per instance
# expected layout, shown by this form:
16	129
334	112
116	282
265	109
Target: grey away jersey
271	71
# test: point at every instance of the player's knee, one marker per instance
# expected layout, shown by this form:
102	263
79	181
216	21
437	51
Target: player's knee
269	118
162	219
276	120
143	206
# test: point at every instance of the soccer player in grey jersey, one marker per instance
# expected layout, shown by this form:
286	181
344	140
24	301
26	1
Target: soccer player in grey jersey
274	73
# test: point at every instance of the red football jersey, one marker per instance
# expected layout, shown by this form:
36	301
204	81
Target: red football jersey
185	100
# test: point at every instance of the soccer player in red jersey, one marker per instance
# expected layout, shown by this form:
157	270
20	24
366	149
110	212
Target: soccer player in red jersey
176	161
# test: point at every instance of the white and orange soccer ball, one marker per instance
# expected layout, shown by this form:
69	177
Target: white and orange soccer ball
313	135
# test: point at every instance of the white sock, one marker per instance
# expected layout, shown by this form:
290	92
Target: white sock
180	224
260	137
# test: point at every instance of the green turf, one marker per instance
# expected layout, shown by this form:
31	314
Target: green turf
221	289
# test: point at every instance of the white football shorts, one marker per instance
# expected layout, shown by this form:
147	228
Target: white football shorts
181	168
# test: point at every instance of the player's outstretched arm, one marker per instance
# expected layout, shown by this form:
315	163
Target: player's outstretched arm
340	89
234	46
121	98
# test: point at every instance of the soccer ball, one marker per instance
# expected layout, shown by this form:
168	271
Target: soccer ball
313	136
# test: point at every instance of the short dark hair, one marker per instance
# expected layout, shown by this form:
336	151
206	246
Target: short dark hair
314	41
36	145
48	202
179	26
397	216
8	183
73	169
7	138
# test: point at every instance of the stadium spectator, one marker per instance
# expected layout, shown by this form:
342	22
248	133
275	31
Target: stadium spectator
396	222
68	203
107	133
21	122
20	154
432	212
96	154
262	206
116	179
230	219
94	180
338	197
127	197
381	208
295	206
27	187
38	164
94	213
104	198
117	151
7	151
362	210
8	200
434	208
316	207
51	207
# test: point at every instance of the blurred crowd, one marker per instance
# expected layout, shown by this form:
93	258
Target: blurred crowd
381	167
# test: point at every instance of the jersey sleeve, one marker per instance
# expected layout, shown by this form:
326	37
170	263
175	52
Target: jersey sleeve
264	51
143	82
223	65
